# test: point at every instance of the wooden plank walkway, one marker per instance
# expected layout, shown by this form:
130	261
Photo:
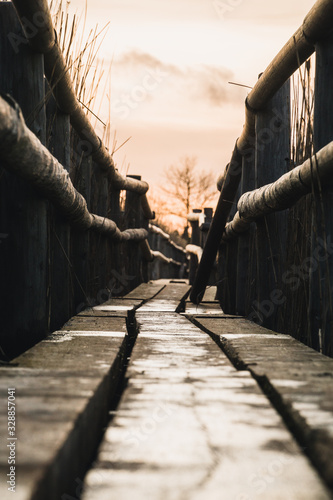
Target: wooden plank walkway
212	407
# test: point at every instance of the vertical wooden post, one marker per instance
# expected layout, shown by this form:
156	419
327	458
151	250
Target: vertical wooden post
134	217
163	266
113	248
98	248
272	157
152	266
231	249
206	225
195	240
23	217
246	257
58	143
144	264
321	275
81	169
157	262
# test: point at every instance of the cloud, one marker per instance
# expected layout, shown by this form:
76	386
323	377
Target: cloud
135	60
205	82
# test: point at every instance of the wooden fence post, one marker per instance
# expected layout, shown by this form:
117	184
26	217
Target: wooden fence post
195	240
321	273
58	143
98	242
133	216
246	256
81	169
163	266
152	238
272	158
144	264
113	248
231	251
208	212
24	291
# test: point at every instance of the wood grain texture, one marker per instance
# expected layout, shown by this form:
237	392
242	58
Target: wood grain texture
272	157
23	213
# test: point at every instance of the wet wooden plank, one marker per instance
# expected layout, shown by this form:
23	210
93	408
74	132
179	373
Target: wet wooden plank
190	426
63	387
209	296
210	308
299	379
113	308
170	299
165	281
145	291
174	291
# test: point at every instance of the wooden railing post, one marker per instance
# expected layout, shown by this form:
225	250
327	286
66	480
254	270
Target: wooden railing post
98	242
152	239
246	256
164	267
80	240
58	143
23	215
231	265
113	256
321	273
206	225
195	240
158	263
144	263
133	215
272	158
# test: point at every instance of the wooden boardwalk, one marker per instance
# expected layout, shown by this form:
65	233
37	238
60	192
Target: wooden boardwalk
210	407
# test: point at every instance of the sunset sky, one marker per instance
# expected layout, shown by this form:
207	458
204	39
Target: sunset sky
171	63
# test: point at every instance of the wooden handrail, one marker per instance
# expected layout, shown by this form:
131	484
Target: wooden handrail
36	13
23	154
316	26
281	194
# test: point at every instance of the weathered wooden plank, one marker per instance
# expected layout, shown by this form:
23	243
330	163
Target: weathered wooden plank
190	426
203	308
166	281
170	299
145	291
63	389
121	303
210	295
174	291
298	378
92	323
113	307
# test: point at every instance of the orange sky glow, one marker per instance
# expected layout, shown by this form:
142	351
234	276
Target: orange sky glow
171	64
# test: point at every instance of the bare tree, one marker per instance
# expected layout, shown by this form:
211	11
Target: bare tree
187	188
